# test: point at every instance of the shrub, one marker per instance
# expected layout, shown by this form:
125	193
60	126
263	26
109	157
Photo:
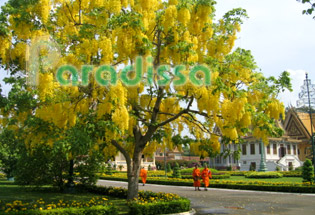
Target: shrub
174	206
108	169
181	163
149	168
169	169
225	176
176	172
291	174
2	176
308	171
190	170
95	210
299	169
278	168
264	175
252	168
98	205
120	167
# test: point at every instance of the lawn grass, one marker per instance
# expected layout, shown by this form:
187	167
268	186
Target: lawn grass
283	179
10	192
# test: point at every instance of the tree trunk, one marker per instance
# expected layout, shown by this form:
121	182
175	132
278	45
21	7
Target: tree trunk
133	174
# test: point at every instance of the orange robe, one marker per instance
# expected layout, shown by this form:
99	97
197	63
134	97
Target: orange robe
143	175
196	176
206	174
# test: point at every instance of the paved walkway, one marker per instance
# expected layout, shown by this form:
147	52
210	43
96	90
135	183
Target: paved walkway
223	201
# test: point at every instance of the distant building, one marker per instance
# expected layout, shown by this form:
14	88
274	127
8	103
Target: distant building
303	96
298	126
281	152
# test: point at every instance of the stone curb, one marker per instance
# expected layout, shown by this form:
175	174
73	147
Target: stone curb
191	212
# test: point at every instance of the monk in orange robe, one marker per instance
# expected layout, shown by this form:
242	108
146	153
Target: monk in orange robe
206	174
196	176
143	175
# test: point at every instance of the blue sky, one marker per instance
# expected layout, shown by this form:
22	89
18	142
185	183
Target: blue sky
279	36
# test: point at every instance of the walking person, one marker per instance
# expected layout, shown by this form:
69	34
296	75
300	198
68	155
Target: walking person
206	174
143	175
196	176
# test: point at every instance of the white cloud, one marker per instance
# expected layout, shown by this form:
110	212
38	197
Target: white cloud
297	78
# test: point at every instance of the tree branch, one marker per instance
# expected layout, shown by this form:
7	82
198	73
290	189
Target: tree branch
177	115
123	151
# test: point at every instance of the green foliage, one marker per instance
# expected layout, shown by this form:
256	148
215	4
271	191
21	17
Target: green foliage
176	171
252	168
181	163
149	168
109	169
311	8
308	171
87	168
49	166
264	175
9	152
278	168
175	206
214	176
95	210
190	170
291	173
291	168
169	169
120	167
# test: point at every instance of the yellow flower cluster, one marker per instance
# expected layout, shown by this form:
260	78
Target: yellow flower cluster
261	134
115	6
275	109
61	114
17	206
170	17
5	45
44	9
206	101
184	16
46	85
106	50
233	111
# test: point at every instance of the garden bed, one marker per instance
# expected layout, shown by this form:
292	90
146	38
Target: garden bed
86	200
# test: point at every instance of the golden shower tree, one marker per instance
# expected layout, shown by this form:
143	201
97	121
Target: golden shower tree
177	40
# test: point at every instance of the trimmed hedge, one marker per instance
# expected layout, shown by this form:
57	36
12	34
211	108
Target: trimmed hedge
291	174
190	170
263	175
242	185
175	206
213	176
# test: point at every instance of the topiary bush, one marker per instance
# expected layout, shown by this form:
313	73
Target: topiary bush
169	169
308	171
176	172
108	169
264	175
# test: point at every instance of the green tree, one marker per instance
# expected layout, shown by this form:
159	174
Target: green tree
9	152
308	171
